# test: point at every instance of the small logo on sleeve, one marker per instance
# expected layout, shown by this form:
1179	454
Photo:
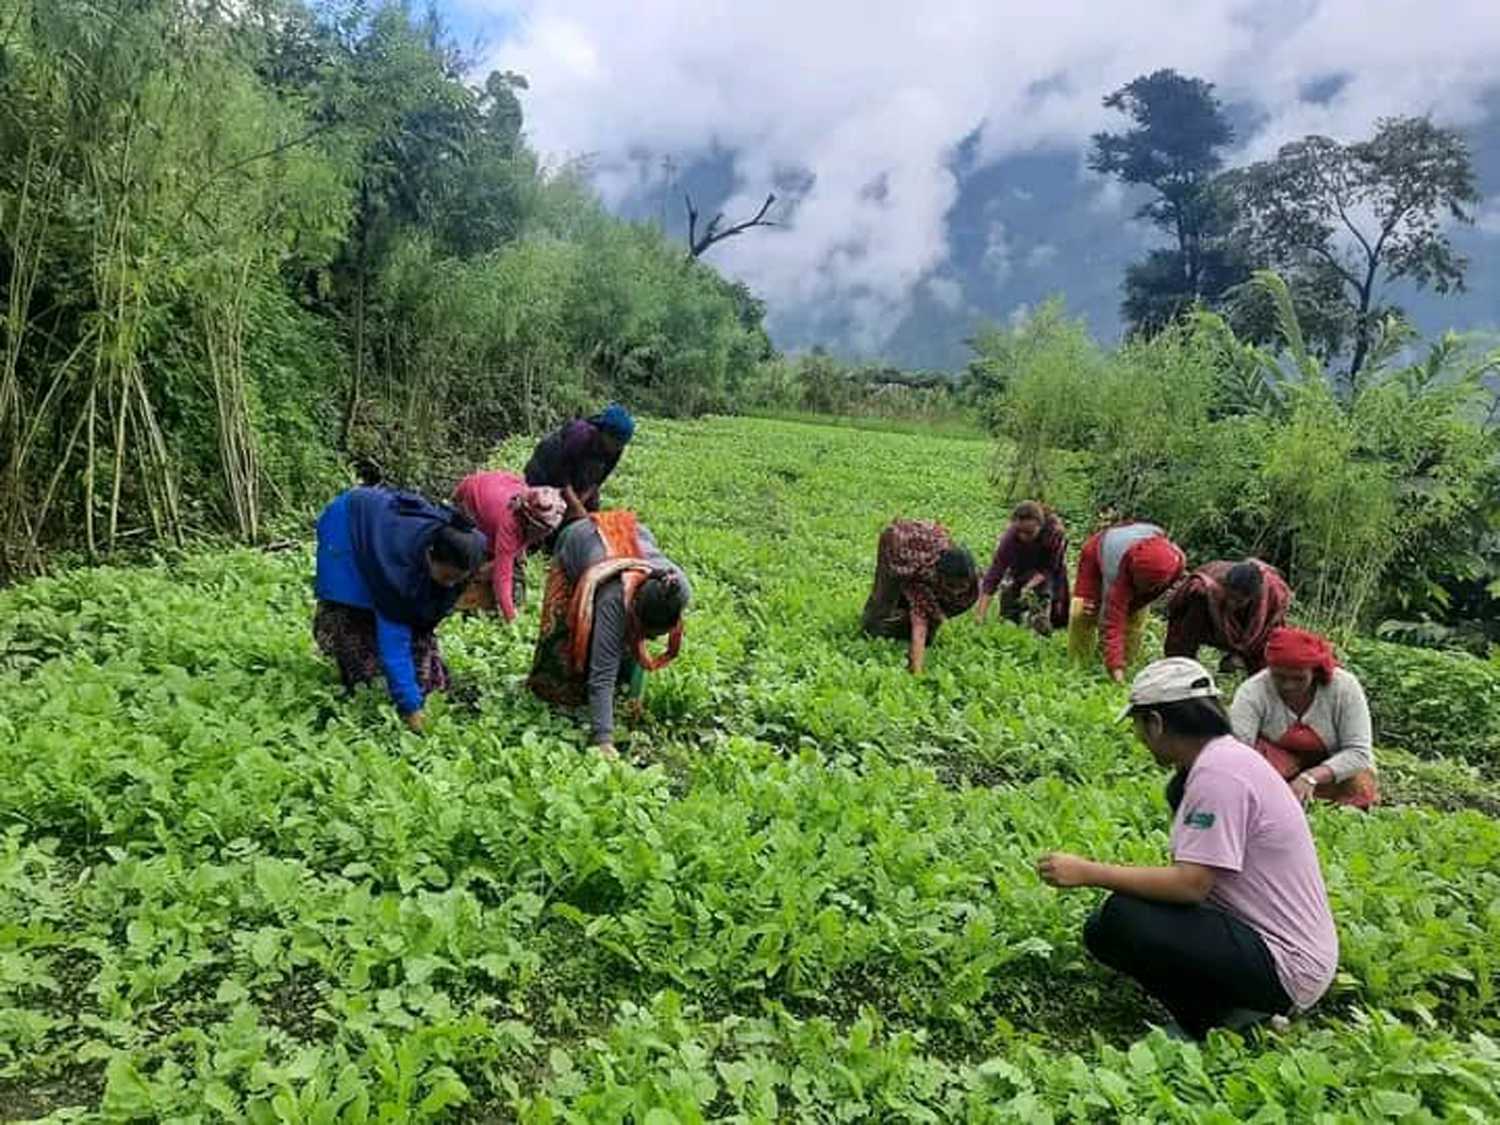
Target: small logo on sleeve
1199	820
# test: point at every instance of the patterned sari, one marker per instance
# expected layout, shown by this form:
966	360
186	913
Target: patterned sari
906	581
347	634
559	670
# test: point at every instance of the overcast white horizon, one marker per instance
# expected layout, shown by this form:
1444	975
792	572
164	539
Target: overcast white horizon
856	112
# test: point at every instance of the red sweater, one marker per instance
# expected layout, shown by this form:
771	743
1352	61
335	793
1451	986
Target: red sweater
1146	568
487	497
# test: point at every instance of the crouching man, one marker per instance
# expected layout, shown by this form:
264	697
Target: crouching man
1238	928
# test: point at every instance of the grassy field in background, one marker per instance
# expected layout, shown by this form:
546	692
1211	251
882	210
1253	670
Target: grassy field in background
961	426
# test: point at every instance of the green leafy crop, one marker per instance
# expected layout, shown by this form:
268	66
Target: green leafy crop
227	893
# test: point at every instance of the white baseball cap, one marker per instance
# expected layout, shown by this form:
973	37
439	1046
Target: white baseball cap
1170	681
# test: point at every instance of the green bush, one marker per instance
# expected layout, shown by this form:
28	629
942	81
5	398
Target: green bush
1374	504
1431	702
1038	387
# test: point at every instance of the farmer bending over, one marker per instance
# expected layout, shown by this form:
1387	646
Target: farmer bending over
921	578
578	457
1121	571
1032	555
515	519
1233	607
1238	928
391	565
609	590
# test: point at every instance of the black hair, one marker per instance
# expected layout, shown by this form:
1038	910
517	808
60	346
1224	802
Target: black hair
1029	510
956	562
458	546
1203	717
660	600
1244	578
369	471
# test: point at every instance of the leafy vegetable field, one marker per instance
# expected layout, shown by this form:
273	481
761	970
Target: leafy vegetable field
226	893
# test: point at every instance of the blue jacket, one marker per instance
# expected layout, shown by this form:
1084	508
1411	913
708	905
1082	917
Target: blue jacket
372	546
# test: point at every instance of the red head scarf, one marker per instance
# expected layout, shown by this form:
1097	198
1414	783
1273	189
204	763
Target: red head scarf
1155	564
1297	648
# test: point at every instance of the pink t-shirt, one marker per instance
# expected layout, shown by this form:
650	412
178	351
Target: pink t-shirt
487	496
1238	816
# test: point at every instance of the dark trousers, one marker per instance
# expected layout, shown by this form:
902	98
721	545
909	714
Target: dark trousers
1200	962
1010	603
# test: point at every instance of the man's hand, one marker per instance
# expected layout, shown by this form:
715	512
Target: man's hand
1034	581
1117	674
416	722
635	709
1059	869
576	510
982	608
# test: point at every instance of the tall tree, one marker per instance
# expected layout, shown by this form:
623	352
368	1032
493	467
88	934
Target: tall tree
1175	147
1363	213
503	116
413	125
1157	290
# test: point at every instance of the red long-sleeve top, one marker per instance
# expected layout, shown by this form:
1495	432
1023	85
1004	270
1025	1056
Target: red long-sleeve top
487	497
1047	553
1146	568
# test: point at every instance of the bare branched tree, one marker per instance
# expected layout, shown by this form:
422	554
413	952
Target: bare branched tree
698	244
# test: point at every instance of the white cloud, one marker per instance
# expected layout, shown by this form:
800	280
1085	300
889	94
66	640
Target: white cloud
862	91
1108	197
1041	255
1487	219
946	292
997	253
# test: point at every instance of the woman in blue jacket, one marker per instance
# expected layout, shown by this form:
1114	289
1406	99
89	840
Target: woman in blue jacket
391	566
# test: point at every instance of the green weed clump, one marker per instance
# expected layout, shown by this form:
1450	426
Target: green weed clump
228	893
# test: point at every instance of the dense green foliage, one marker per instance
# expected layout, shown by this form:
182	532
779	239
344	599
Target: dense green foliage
1378	503
1341	219
230	893
1424	700
243	245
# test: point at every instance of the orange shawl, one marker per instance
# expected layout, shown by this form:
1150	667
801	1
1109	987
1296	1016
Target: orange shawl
619	531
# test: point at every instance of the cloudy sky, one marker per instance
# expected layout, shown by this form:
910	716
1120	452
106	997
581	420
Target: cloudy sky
930	157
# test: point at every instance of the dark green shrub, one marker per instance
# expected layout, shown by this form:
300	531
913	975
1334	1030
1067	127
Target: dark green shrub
1431	702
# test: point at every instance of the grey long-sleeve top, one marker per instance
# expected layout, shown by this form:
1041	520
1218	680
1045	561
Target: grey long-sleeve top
578	548
1339	713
